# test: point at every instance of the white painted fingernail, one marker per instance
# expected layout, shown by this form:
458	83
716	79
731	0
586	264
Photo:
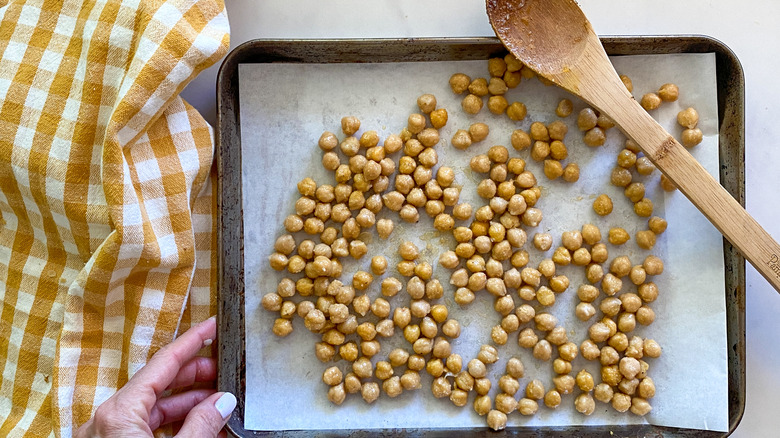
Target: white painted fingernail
226	404
207	342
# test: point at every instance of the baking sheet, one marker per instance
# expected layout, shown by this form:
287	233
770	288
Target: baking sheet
285	107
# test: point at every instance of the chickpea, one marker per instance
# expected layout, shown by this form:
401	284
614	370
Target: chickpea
668	92
611	284
461	139
525	313
635	191
282	327
496	419
650	101
534	390
571	173
477	281
599	253
482	405
459	83
419	308
585	381
540	150
644	166
532	217
640	406
384	228
564	384
620	177
627	82
691	137
487	354
557	336
564	108
645	239
525	180
516	111
653	265
589	349
416	362
618	236
552	169
562	256
587	119
506	403
602	205
561	366
584	311
471	104
594	272
520	140
585	404
429	328
486	188
645	315
629	367
626	159
545	321
435	367
688	118
451	328
539	132
599	332
545	296
497	104
605	122
651	348
595	137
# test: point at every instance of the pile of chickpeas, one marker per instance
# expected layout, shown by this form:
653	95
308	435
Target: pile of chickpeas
490	259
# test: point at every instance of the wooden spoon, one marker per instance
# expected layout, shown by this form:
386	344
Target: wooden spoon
554	39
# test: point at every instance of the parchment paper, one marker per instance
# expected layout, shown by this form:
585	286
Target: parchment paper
285	108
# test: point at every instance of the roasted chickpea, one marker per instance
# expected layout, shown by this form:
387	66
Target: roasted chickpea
691	137
602	205
668	92
496	420
571	173
564	108
516	111
620	177
618	236
585	404
472	104
459	83
540	150
520	140
595	137
350	125
627	82
650	101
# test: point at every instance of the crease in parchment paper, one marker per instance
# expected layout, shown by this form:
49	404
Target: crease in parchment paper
285	108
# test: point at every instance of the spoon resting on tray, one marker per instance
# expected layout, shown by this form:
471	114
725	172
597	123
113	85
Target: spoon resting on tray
553	38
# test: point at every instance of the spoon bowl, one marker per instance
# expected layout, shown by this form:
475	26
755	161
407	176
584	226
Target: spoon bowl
556	40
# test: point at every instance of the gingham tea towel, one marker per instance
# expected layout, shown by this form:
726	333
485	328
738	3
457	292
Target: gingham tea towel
106	203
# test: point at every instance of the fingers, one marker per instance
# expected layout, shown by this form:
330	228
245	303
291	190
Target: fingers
197	369
176	407
164	366
209	417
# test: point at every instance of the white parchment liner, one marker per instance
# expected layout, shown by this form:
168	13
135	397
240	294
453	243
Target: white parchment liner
285	108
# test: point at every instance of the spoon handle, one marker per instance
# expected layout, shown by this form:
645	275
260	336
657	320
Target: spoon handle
728	216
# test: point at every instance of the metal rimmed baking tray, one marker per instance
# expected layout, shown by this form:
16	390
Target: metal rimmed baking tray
730	93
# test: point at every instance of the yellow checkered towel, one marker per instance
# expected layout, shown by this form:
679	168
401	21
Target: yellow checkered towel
106	205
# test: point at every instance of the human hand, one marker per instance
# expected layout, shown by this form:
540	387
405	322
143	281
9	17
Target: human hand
136	409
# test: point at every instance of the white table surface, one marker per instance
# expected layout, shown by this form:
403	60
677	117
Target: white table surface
749	29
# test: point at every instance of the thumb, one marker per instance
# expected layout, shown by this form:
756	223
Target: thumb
208	417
